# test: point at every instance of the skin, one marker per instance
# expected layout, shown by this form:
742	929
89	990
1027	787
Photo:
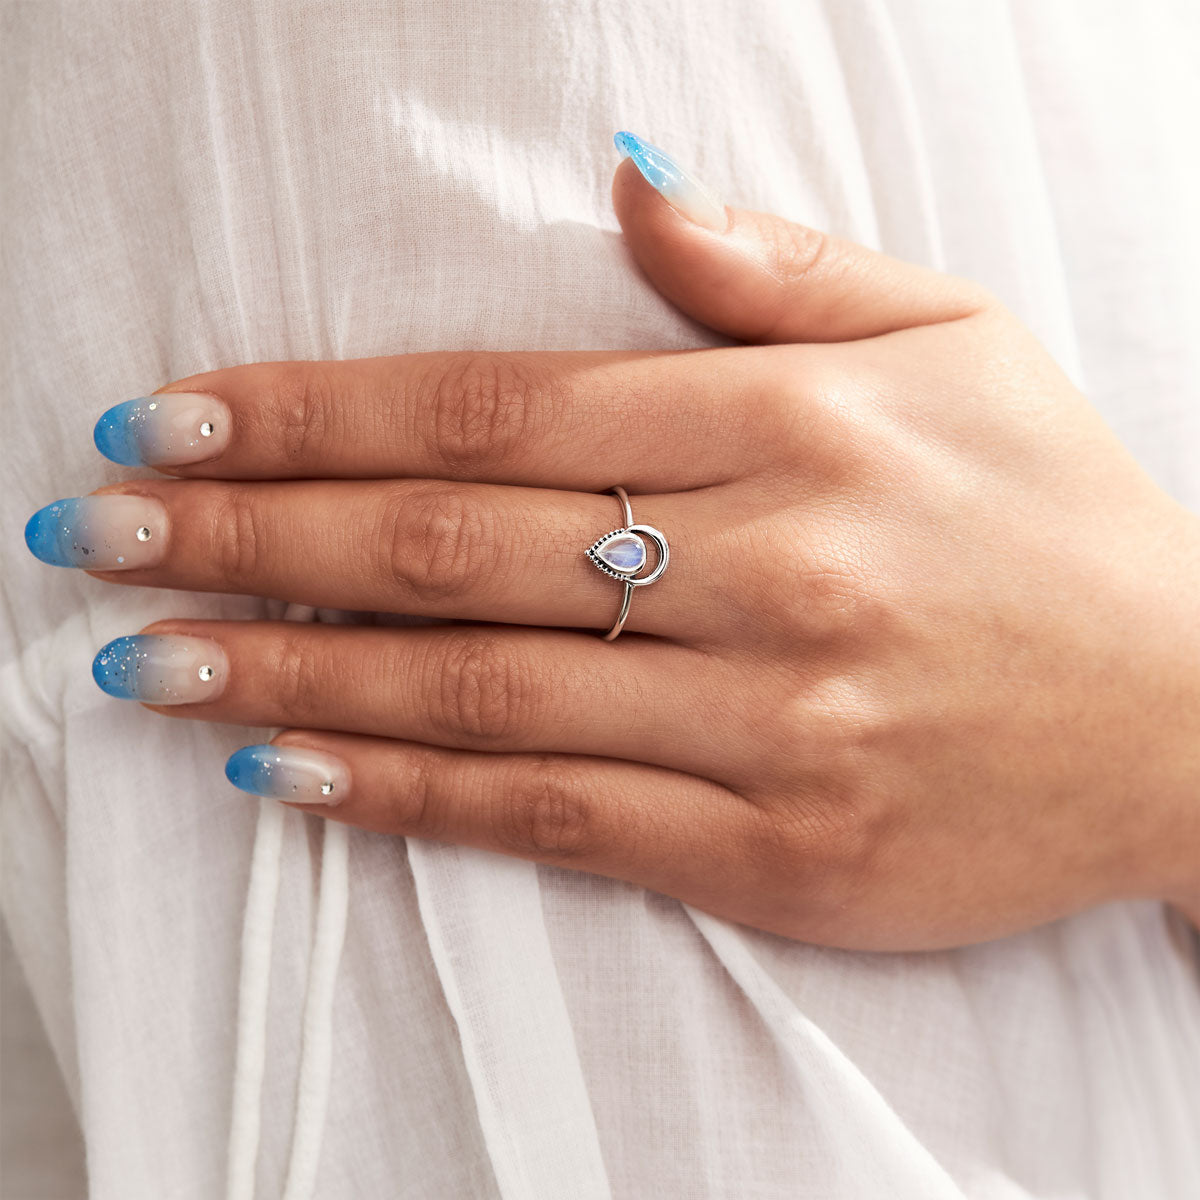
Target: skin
922	671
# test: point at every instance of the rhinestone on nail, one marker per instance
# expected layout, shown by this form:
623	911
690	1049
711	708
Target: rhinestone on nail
327	788
143	534
206	672
206	430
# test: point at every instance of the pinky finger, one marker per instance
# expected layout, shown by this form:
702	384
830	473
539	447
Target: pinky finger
675	833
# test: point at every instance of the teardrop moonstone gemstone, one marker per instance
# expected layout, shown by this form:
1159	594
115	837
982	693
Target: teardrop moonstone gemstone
625	553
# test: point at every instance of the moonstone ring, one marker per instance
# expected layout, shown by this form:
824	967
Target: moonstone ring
622	554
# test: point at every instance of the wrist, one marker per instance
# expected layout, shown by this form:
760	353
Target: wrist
1183	771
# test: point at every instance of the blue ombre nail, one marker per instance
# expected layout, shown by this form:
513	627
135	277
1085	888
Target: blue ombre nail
167	429
115	434
47	532
102	533
161	669
292	773
681	190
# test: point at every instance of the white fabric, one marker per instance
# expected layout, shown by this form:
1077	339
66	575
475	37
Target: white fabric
189	186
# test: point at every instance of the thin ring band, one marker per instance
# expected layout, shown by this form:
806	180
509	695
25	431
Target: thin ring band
629	534
627	512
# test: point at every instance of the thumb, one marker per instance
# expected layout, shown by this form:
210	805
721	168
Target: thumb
760	278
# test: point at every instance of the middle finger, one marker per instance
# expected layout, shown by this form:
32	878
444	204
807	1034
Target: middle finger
475	551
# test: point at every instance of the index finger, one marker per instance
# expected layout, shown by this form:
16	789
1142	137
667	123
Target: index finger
568	419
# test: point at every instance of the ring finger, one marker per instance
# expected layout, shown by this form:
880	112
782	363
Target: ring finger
484	687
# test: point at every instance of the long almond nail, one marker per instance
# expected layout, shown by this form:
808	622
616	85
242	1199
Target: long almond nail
170	429
102	533
292	773
681	190
161	669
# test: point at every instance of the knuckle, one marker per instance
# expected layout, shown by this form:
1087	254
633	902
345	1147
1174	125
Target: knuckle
819	596
237	536
484	695
799	255
789	411
302	412
830	830
811	411
799	251
438	545
827	604
836	722
548	814
829	834
415	799
482	411
297	681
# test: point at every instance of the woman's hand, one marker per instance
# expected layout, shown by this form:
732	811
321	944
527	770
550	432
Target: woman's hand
924	667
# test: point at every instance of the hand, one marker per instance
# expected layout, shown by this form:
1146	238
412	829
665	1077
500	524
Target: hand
922	670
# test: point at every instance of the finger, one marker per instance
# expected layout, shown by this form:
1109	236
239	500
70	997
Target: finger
652	422
429	548
676	833
760	278
481	687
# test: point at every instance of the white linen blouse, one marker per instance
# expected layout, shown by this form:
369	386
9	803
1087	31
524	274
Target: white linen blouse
247	1002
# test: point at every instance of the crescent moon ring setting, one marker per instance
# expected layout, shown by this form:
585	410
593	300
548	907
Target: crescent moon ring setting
622	553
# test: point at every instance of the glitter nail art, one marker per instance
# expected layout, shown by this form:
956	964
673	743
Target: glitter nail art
161	669
169	429
102	533
292	773
681	190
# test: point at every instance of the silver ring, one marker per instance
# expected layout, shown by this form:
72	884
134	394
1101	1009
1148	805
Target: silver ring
622	554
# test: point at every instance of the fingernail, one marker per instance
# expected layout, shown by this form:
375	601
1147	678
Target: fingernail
102	533
292	773
161	669
683	192
167	430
